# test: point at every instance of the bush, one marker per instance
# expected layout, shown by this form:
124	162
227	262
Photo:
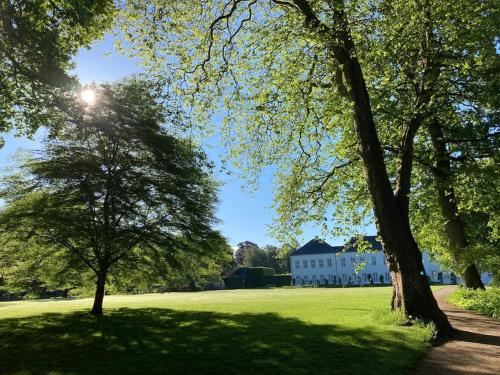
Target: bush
483	301
255	276
278	280
234	282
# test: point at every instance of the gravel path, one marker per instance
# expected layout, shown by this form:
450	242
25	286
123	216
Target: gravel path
475	349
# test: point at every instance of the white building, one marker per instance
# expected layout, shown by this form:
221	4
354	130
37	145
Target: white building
319	263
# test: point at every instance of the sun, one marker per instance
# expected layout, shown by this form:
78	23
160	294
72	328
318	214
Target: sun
88	96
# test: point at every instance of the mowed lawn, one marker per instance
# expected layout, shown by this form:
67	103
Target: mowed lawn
279	331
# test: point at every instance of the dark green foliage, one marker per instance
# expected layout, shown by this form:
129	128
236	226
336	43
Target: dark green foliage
483	301
38	39
278	280
249	277
234	282
255	276
117	194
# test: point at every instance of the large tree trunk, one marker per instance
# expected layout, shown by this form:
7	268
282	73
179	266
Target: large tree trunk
454	226
99	293
471	278
412	292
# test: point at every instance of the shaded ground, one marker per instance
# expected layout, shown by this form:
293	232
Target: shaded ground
162	341
475	349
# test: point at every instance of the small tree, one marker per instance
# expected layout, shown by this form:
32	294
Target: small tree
117	191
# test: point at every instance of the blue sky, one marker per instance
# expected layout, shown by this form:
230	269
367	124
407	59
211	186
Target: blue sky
245	215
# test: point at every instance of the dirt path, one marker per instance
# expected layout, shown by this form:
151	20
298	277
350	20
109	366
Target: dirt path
475	349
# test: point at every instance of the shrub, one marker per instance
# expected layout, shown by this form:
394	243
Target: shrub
278	280
255	276
483	301
234	282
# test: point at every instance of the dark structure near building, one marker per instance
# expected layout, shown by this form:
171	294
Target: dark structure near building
255	277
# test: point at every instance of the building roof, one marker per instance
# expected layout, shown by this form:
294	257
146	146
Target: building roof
317	246
350	246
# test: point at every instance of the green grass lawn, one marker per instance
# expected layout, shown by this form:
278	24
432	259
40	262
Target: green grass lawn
295	331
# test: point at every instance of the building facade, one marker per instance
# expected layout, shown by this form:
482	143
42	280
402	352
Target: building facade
318	263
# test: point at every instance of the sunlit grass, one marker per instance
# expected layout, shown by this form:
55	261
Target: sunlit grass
240	331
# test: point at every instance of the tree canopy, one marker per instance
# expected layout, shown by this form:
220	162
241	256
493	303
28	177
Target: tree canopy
38	39
293	75
117	191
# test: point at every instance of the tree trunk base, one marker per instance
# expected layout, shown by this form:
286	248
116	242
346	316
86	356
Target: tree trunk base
471	278
99	295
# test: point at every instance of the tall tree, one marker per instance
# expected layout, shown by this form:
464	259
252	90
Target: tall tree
38	39
442	82
116	190
289	70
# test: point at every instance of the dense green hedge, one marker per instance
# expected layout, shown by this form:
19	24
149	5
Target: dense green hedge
483	301
278	280
249	277
234	282
255	276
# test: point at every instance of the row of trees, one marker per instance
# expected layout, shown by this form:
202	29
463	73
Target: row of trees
384	110
368	109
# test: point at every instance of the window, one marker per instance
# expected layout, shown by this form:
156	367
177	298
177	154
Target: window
387	276
322	277
342	262
446	275
329	262
364	276
344	277
353	261
384	259
375	277
304	263
320	263
297	264
306	278
330	277
314	277
362	258
313	263
434	275
374	260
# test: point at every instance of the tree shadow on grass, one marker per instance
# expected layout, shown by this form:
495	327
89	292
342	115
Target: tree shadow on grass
154	341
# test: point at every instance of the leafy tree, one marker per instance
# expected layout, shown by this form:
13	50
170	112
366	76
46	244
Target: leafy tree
38	39
285	251
117	191
291	78
29	266
241	250
442	91
268	256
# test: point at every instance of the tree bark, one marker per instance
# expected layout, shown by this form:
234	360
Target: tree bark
471	278
99	293
454	227
412	292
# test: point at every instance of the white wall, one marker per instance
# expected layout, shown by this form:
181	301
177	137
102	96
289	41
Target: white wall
341	266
